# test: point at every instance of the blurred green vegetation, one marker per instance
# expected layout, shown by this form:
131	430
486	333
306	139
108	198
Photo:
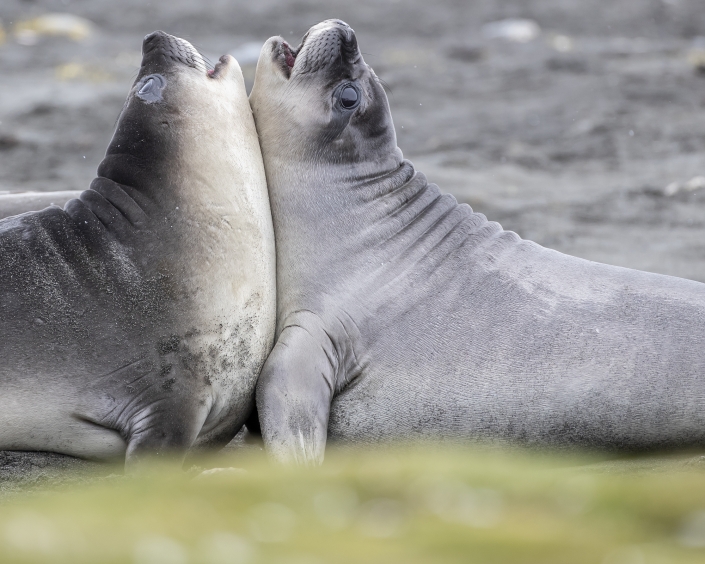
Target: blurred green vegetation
413	505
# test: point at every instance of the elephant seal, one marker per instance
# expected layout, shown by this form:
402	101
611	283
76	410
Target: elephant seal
402	314
135	320
21	202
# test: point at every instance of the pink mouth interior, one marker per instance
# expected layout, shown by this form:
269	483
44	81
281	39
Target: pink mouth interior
289	56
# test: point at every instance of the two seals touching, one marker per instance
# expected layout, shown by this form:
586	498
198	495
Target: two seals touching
402	314
135	320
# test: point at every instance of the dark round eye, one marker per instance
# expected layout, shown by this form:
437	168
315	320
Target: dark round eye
349	97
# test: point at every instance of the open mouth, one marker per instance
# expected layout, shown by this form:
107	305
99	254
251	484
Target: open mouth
287	57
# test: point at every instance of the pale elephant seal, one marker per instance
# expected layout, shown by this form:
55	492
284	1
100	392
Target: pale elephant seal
135	320
402	314
21	202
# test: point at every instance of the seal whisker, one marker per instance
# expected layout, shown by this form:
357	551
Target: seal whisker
207	63
386	86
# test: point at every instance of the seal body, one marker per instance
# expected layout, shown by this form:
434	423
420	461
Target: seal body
135	320
21	202
403	315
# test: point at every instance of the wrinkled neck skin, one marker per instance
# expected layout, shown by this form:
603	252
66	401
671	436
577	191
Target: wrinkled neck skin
339	221
145	158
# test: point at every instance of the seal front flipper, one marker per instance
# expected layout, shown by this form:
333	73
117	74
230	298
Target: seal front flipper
295	391
153	409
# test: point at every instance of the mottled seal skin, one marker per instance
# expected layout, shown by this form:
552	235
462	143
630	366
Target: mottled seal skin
135	320
402	314
21	202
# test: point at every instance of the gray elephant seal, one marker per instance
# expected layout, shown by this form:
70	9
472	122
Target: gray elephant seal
21	202
135	320
402	314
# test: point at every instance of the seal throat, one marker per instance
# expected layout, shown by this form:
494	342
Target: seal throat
419	224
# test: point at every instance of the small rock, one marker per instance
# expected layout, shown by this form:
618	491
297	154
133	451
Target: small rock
562	43
465	53
695	183
567	64
512	29
8	142
696	58
28	32
672	189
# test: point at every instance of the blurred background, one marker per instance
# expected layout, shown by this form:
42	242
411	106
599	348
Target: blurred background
579	124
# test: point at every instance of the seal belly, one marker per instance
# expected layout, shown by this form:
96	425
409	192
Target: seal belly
532	345
38	414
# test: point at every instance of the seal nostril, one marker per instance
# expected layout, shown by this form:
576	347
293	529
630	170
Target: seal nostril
151	42
151	38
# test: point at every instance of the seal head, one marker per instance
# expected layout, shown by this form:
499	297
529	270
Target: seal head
321	103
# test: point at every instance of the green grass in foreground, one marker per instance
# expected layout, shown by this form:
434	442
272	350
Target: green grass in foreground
422	505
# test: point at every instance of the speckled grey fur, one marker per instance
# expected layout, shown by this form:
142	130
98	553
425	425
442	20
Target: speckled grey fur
134	321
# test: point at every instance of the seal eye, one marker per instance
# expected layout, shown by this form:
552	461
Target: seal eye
349	97
147	87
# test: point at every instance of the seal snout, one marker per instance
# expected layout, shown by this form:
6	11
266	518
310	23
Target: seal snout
159	48
153	41
326	45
